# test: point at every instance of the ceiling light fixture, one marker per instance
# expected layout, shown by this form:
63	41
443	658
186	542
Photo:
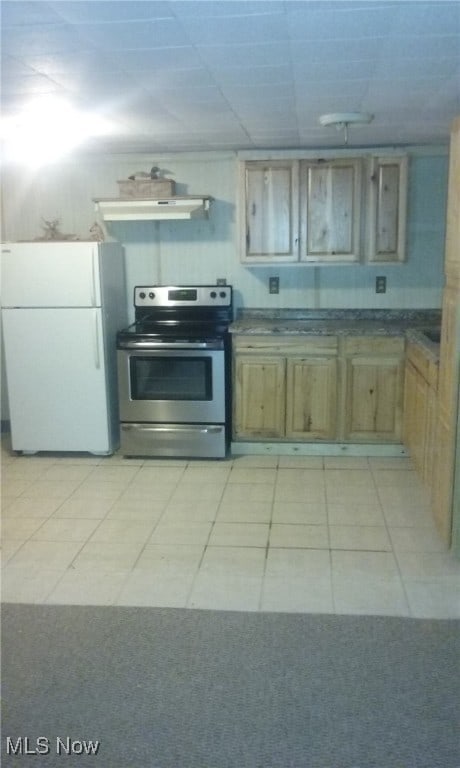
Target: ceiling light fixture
342	120
46	129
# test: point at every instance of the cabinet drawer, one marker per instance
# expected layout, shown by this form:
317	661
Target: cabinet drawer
373	345
427	367
286	345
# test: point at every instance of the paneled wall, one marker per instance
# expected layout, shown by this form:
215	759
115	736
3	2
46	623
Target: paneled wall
203	250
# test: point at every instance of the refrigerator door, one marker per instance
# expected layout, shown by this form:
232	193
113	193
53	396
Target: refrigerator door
56	380
50	275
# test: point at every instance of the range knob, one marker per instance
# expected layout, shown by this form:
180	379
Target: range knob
151	295
222	294
213	295
142	295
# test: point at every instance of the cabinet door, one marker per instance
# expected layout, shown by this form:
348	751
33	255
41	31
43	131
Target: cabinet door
430	437
387	214
374	399
259	397
311	398
410	412
443	480
418	393
271	204
330	210
420	419
452	260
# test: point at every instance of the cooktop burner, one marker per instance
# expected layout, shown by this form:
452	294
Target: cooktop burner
188	313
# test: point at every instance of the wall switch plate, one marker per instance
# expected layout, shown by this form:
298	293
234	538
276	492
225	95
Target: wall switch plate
221	281
273	285
380	284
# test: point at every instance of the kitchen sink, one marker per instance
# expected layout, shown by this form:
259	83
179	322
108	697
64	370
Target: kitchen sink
433	334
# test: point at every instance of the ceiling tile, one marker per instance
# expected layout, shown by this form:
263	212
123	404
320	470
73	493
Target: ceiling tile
340	22
111	10
30	40
255	55
209	8
27	13
245	29
263	75
158	59
424	18
134	34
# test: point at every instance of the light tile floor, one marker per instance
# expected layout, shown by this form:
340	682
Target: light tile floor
253	533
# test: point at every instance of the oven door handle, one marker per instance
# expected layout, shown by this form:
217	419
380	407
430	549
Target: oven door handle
190	428
161	345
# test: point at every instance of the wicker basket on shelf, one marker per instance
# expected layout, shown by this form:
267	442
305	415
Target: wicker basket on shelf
138	188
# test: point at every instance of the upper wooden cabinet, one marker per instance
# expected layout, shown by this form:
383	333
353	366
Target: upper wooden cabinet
323	211
270	231
330	205
387	209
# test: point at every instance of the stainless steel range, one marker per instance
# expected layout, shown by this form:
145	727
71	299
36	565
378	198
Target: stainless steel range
174	372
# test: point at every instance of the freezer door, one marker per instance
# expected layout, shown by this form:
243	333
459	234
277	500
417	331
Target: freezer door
50	275
56	380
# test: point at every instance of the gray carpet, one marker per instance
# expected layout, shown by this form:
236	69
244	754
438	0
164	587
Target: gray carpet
173	688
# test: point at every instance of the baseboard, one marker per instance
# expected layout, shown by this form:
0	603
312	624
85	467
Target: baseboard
319	449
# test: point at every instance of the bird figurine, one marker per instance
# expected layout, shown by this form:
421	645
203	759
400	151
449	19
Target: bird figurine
155	173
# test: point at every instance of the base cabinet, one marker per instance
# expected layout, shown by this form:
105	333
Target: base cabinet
311	398
374	389
428	472
318	388
259	397
444	480
421	412
422	428
415	416
284	389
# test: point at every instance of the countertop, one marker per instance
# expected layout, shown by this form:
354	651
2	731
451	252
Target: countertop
341	322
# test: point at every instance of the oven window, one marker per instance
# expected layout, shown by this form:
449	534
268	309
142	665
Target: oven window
171	378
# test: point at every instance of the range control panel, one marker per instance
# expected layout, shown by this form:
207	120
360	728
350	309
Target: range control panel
183	296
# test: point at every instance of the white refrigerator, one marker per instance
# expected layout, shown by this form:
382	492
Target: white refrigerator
62	304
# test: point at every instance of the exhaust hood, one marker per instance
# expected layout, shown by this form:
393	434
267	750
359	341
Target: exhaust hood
147	209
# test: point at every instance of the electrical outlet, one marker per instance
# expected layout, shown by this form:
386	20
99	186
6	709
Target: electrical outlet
380	284
273	285
221	281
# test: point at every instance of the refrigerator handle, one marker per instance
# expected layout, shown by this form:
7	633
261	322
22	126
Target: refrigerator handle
93	279
97	358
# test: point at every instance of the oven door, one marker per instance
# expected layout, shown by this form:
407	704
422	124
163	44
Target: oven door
176	383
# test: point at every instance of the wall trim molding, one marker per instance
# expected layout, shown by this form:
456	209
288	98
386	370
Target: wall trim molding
319	449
